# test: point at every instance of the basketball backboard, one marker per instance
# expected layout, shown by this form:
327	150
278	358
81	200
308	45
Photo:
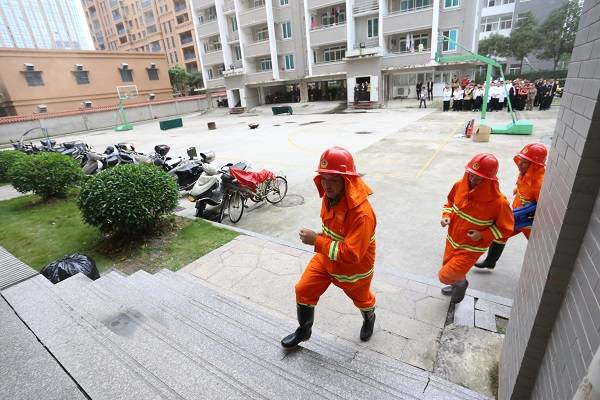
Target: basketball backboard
127	92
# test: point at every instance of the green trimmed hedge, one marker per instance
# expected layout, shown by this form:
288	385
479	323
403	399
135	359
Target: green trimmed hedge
45	174
7	159
128	199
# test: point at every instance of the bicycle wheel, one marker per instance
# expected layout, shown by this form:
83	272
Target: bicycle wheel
277	190
235	208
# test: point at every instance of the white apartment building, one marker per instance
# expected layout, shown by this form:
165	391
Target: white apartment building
501	16
274	51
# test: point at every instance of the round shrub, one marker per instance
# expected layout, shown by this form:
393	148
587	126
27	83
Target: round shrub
45	174
128	198
7	159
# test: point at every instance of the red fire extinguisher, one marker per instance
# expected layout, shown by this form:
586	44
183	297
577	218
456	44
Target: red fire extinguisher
469	128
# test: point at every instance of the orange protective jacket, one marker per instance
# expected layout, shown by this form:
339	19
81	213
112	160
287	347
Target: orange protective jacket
483	208
529	186
347	244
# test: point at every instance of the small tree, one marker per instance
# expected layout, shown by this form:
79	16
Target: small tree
7	159
179	78
524	38
558	32
46	174
495	46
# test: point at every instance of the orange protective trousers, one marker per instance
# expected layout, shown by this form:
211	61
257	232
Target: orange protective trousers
315	280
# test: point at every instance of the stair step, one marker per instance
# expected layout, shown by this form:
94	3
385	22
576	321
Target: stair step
138	335
364	360
95	363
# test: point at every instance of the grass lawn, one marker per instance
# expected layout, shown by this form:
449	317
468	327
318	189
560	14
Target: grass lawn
38	233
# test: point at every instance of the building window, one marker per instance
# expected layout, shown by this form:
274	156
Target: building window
155	46
265	64
333	54
373	27
81	76
451	3
450	40
493	3
234	25
33	78
289	61
506	22
514	69
209	72
238	53
152	72
284	2
262	34
126	74
287	30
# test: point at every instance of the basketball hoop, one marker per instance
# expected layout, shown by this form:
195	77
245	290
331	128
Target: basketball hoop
125	93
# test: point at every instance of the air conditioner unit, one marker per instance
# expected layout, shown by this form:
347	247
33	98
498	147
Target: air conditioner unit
42	108
28	67
79	67
87	104
400	91
151	96
124	65
363	45
152	65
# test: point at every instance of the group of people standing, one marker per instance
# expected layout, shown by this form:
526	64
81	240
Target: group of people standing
466	95
476	214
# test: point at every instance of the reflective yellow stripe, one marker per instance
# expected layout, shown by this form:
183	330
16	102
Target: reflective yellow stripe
523	199
496	232
306	305
352	278
447	209
333	250
500	241
471	219
332	234
339	238
465	246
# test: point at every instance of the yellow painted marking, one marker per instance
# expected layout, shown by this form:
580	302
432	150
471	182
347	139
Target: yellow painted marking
440	148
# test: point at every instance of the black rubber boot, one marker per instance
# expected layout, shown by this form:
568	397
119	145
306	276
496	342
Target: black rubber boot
493	255
366	331
306	317
458	294
447	290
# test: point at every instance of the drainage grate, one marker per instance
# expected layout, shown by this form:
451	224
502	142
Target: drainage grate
363	133
291	200
311	123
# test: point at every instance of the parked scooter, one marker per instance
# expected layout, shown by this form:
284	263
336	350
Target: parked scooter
211	188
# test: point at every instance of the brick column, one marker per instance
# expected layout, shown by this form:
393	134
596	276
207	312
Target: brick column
553	330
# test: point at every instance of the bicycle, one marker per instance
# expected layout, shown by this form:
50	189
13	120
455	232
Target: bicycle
254	186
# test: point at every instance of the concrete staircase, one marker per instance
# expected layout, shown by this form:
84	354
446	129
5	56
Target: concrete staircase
171	336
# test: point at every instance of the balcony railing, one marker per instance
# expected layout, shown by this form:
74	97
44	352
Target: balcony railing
205	19
368	44
213	48
228	6
317	27
254	4
233	36
237	64
409	9
257	40
363	6
409	51
321	62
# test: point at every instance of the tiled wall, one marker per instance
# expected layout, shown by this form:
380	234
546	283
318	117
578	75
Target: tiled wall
553	331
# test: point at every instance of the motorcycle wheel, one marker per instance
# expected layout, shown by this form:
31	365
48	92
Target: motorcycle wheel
277	190
200	206
235	207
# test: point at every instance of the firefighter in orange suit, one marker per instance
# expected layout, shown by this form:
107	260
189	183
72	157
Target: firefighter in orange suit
345	248
531	162
476	213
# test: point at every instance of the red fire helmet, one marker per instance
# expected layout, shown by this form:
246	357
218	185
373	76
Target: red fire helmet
484	165
337	160
533	152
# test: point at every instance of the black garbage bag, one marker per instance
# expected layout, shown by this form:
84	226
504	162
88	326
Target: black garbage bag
70	265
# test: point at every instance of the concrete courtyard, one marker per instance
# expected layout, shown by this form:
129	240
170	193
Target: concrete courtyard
410	157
